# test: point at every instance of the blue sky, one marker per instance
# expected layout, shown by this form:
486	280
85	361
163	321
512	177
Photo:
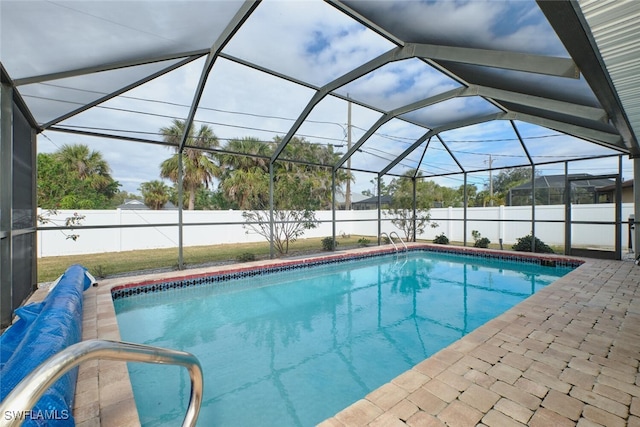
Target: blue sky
312	42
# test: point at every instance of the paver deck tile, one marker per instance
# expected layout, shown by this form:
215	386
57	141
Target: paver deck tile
495	418
601	402
563	404
360	413
578	378
442	390
427	401
479	398
404	410
460	414
546	418
504	372
422	419
567	356
602	417
513	410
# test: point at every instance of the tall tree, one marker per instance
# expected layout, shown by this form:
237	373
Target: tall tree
199	168
155	194
74	177
89	166
298	184
245	178
384	188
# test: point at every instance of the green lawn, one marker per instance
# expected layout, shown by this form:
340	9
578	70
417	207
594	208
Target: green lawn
110	263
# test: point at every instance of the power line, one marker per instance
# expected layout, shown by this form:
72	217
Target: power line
398	139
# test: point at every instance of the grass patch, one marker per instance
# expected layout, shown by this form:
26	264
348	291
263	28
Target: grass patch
110	263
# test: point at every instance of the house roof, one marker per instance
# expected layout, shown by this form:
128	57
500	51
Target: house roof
558	181
385	199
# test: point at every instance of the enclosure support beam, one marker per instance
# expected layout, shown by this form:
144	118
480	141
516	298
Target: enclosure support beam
567	210
379	209
333	209
271	224
415	206
533	207
6	219
533	186
618	239
636	211
180	209
466	203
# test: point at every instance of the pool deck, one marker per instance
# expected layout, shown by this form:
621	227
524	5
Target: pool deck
568	355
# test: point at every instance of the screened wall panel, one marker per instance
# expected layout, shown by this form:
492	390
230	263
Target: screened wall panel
17	204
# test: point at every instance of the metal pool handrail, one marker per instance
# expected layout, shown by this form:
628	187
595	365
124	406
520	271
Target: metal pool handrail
399	238
27	393
383	234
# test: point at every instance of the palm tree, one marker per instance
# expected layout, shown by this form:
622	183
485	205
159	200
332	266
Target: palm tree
198	166
245	179
89	166
155	193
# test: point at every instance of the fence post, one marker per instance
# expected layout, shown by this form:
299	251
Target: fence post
450	222
502	217
119	234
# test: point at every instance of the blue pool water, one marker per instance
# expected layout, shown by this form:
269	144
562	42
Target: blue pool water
294	348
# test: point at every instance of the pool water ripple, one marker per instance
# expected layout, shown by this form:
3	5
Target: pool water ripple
294	347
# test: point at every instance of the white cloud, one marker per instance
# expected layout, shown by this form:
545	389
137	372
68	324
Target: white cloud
314	42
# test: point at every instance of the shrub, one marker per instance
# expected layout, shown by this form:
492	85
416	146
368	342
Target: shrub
524	245
480	242
246	257
329	243
363	241
441	239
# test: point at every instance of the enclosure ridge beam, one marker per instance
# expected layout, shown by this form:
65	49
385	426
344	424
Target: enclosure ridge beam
364	21
234	25
550	65
609	140
315	99
381	121
583	111
406	152
399	111
108	67
391	55
444	96
453	156
567	20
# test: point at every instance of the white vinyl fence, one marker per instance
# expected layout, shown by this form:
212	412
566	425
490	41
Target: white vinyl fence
226	227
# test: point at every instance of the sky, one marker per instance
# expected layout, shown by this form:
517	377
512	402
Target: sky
309	41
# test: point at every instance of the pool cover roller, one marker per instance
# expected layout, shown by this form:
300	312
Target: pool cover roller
42	330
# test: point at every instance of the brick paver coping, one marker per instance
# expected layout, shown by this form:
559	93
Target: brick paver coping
568	355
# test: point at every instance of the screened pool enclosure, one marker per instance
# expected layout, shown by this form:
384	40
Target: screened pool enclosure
437	90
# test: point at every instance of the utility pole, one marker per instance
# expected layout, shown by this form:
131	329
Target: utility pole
347	197
490	181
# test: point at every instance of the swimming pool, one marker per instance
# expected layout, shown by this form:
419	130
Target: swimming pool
295	347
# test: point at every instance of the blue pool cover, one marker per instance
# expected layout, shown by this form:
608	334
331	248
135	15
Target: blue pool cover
42	330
